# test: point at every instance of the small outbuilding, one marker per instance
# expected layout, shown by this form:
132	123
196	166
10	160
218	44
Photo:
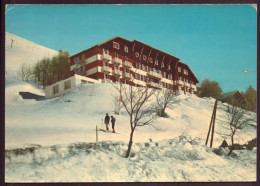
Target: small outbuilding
233	97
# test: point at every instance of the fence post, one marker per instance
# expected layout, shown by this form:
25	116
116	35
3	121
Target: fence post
96	133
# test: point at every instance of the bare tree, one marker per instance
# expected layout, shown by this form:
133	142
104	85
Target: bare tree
165	98
237	119
118	104
24	73
136	101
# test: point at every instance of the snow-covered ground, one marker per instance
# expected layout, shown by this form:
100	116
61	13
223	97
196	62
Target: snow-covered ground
54	140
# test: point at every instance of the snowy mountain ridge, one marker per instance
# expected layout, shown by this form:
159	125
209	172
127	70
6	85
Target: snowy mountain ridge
54	140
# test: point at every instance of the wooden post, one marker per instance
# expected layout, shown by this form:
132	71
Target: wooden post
213	126
96	133
211	122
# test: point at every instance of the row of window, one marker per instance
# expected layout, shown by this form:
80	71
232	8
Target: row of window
185	80
117	46
156	62
146	68
67	85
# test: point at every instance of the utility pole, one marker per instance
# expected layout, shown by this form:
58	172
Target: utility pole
212	124
12	42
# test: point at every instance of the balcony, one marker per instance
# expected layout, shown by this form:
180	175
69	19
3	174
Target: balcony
106	69
153	84
117	72
180	82
127	75
186	84
117	61
193	86
127	64
154	74
106	57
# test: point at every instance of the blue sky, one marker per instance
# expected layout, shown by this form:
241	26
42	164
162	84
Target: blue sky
216	41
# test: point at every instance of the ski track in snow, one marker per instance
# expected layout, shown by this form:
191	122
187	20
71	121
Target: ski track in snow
54	140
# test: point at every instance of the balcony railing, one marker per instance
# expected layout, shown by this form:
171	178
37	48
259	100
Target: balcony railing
106	57
127	75
180	82
154	74
193	86
106	69
117	61
186	84
127	64
117	72
153	84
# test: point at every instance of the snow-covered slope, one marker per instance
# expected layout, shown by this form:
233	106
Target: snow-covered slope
22	51
18	52
54	139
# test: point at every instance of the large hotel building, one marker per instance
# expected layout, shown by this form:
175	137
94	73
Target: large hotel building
133	62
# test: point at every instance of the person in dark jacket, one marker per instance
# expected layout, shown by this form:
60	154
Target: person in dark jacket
107	121
113	121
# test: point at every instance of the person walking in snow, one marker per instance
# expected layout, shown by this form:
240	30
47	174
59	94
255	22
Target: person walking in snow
107	121
113	121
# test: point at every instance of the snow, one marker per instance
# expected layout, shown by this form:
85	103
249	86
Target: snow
54	140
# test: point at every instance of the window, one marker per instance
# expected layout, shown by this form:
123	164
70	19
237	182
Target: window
143	67
150	60
191	82
156	62
147	68
160	72
105	64
179	69
105	51
162	65
169	76
169	67
117	79
55	89
126	49
144	57
137	65
106	76
126	58
116	45
116	55
186	72
164	74
67	85
76	60
136	54
179	87
180	78
192	91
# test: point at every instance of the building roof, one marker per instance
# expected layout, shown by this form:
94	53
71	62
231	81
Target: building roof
228	94
156	49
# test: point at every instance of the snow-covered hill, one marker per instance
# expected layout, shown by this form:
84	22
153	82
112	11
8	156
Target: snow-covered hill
54	139
19	51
